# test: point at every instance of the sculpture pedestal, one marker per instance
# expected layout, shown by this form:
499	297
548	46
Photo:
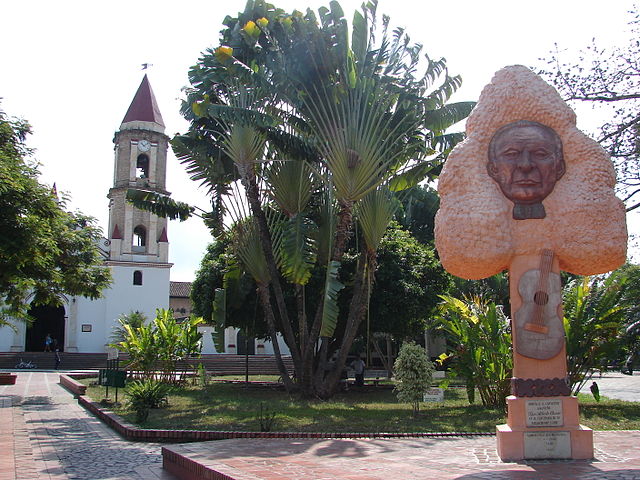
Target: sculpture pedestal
543	428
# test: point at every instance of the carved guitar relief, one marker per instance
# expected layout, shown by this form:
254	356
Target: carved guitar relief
538	326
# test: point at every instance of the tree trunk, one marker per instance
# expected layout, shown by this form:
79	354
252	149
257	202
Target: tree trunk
357	309
265	240
302	319
263	293
318	378
389	356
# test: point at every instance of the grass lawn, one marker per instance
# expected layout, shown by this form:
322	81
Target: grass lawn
223	406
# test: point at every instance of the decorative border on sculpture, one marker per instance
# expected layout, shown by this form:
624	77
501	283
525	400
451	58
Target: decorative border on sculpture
540	387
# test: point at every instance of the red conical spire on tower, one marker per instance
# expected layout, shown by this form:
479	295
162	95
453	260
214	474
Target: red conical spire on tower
144	107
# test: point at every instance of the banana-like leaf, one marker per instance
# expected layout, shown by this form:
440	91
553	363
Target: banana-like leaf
330	308
375	212
359	36
441	119
435	68
218	338
443	93
161	205
220	308
248	249
445	143
411	177
244	145
291	185
297	250
239	115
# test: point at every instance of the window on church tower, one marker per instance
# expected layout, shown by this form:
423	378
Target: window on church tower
142	166
137	277
139	239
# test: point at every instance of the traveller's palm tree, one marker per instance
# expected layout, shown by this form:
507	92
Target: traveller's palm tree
312	123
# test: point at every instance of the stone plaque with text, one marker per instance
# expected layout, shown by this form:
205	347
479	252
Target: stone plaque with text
547	445
544	413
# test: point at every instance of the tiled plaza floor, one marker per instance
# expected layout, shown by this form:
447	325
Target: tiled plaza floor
617	457
44	434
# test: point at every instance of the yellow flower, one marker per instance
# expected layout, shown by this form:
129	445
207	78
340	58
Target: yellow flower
262	22
223	53
251	29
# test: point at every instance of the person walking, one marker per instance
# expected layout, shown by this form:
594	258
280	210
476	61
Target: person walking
47	343
58	360
358	366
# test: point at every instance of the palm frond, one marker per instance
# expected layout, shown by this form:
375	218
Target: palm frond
447	115
291	185
330	308
375	212
161	205
297	252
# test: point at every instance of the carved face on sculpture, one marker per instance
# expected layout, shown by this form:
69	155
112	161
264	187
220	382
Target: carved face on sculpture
526	160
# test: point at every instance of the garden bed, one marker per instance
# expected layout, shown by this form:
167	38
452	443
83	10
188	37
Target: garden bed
231	410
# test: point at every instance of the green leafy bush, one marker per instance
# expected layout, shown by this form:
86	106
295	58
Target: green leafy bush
145	395
480	332
159	345
594	316
413	373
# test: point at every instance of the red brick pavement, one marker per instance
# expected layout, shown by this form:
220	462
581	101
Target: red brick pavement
27	452
617	457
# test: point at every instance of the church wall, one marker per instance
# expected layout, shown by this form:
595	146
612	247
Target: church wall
6	337
121	298
146	298
90	314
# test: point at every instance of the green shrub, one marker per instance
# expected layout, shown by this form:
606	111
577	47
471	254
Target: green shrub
413	372
480	332
145	395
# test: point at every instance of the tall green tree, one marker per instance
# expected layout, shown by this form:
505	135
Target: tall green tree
317	126
405	293
44	249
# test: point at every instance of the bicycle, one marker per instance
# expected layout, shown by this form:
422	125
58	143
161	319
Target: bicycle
27	364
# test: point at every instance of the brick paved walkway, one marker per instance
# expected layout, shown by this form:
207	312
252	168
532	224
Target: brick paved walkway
45	434
617	457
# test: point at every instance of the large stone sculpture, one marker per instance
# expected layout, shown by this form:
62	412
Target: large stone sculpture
528	192
476	234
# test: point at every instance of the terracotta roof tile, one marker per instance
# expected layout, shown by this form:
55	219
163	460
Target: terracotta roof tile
179	289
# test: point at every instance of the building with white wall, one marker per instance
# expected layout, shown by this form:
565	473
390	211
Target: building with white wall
136	251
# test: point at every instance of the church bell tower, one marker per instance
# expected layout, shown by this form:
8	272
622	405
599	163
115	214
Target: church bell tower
141	163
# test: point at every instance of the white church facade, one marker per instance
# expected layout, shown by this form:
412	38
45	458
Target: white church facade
136	250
